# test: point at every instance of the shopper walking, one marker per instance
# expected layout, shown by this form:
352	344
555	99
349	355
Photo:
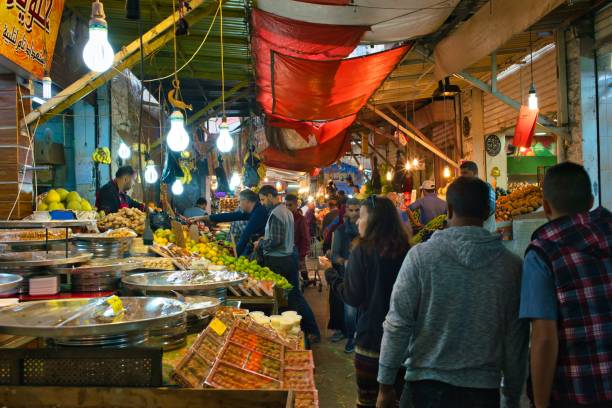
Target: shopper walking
371	271
567	295
277	248
430	204
470	169
342	241
301	234
453	320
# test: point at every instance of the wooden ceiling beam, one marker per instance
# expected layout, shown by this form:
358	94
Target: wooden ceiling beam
429	146
152	40
197	115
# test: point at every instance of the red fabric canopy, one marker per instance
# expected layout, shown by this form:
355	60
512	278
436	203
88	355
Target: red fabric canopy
296	38
322	131
321	155
325	90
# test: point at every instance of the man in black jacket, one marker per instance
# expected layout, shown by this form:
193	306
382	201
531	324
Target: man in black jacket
113	195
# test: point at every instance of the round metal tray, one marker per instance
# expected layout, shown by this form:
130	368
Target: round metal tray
40	258
200	305
9	282
99	265
77	317
182	280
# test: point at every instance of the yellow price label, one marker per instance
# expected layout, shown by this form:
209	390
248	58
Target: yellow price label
116	304
218	326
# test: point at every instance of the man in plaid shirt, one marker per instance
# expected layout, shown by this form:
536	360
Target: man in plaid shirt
567	295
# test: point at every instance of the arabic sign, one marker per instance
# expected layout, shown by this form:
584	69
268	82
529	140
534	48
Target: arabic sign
29	31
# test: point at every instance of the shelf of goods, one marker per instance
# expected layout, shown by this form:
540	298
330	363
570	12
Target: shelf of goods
237	353
228	204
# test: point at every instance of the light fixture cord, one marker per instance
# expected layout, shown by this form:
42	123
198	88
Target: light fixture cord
222	64
531	57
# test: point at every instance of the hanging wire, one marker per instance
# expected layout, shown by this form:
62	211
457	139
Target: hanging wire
196	52
531	57
222	64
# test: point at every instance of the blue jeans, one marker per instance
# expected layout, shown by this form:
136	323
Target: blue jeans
350	321
287	266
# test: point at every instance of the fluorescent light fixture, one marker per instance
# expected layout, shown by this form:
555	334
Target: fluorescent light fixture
525	61
38	100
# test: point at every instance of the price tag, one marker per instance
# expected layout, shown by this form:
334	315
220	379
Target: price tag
218	326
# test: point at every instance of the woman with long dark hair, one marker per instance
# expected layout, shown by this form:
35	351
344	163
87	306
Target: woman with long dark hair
367	284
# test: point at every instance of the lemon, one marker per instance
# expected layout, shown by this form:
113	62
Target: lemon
52	197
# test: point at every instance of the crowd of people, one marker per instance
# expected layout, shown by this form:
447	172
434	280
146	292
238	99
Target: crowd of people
459	320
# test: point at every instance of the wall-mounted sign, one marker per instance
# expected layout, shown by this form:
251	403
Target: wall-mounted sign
492	145
29	30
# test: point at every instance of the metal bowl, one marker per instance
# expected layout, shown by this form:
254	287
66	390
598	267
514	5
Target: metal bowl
182	280
9	282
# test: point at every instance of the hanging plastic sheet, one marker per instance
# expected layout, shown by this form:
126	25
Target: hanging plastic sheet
295	38
327	90
525	127
321	155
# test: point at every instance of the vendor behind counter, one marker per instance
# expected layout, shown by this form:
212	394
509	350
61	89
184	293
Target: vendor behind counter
113	195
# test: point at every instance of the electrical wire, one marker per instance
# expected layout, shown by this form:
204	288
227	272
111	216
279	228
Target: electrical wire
222	64
176	71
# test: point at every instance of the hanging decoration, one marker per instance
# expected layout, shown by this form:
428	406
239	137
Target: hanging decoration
187	165
253	170
98	53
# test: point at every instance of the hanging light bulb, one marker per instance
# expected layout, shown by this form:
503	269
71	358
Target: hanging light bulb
177	138
46	87
266	180
446	172
234	181
279	186
213	183
407	166
177	187
311	199
224	140
415	162
361	167
124	151
151	175
389	175
98	53
532	100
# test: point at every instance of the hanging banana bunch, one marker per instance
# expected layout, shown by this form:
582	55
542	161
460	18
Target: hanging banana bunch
101	155
187	165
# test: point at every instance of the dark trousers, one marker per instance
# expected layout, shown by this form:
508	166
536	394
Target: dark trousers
436	394
366	373
287	267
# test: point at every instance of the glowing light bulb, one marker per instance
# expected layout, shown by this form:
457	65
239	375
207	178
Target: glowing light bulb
326	196
532	100
46	87
177	187
177	138
98	53
446	172
266	180
124	151
311	199
361	167
415	162
151	176
234	181
279	186
407	166
389	175
224	140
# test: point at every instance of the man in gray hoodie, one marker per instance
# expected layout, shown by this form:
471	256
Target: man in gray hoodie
453	320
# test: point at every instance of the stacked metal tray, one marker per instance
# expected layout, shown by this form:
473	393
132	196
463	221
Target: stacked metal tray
91	322
9	283
97	274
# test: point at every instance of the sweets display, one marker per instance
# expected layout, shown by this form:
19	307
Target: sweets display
154	263
521	201
131	218
228	204
27	235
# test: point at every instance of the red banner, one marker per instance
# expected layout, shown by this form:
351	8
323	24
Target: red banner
332	89
306	159
525	127
296	38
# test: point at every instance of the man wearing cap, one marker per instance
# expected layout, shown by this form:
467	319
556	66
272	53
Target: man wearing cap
430	204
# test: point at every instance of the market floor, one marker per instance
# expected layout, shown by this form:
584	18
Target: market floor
334	372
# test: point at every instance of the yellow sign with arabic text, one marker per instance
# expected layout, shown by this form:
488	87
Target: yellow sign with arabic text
29	31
